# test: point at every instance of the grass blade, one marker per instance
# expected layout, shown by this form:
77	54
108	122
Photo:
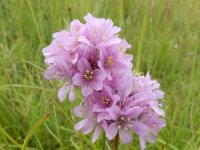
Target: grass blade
33	130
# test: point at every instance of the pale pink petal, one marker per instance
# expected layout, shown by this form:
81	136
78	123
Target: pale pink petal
134	112
159	94
51	72
75	58
83	65
114	112
142	143
140	128
62	93
96	134
112	131
151	138
79	111
155	106
86	90
99	75
72	96
109	42
81	124
88	127
84	40
77	79
125	136
97	85
141	97
103	116
89	18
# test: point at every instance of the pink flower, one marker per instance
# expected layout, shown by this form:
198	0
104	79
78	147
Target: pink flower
92	56
89	123
125	122
104	99
146	90
87	78
111	61
154	123
100	32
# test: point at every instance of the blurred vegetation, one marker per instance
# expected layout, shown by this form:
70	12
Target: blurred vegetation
165	35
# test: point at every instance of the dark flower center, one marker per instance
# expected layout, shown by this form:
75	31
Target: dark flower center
124	122
88	74
106	101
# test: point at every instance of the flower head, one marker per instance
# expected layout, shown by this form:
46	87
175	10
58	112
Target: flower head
91	56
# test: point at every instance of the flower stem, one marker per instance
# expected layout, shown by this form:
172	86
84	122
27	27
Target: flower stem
116	142
103	141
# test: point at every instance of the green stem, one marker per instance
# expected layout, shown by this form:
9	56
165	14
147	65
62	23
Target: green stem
33	130
103	141
116	142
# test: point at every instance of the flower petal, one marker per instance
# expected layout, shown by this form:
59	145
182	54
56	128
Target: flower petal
79	111
140	128
103	116
77	79
114	112
88	127
125	136
84	40
81	124
97	85
62	93
134	112
96	134
72	96
83	65
86	90
150	138
155	106
142	143
112	131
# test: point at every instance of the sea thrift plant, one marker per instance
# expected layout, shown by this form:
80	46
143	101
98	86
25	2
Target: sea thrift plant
92	57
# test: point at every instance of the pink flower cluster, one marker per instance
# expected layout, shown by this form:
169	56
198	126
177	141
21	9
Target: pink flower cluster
92	56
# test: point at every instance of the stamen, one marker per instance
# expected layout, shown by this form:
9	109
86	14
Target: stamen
122	118
88	74
85	76
121	48
130	125
105	101
125	128
109	61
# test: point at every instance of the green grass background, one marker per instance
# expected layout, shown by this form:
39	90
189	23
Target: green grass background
165	35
